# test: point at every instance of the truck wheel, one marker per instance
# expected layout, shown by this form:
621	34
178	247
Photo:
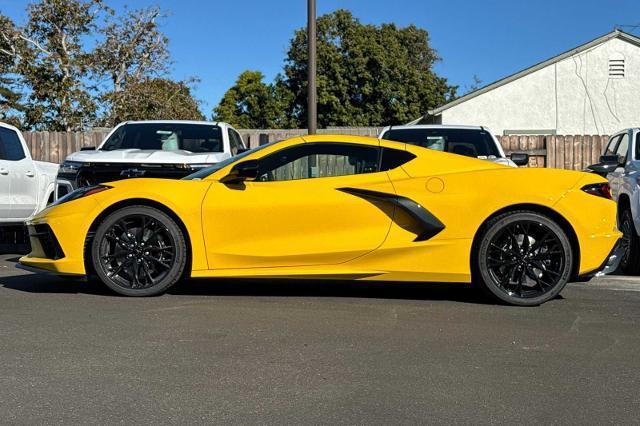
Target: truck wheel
630	263
522	258
139	251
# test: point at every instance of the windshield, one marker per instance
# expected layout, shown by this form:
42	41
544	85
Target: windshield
201	174
166	137
469	142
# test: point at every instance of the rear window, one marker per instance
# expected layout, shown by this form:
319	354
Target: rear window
166	137
469	142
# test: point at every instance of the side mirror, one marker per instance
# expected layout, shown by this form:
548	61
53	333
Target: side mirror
607	164
241	172
614	160
520	158
88	148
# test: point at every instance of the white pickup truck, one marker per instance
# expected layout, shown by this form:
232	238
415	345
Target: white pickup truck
159	149
26	186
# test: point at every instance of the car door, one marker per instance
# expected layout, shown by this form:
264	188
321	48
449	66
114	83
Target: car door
22	175
299	211
5	185
616	177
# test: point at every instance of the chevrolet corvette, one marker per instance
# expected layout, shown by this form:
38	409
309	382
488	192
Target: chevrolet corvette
337	207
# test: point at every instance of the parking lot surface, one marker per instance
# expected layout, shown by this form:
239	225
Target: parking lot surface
315	352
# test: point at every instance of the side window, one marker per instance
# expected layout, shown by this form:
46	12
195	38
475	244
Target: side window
318	160
611	146
638	146
392	158
623	146
11	147
235	142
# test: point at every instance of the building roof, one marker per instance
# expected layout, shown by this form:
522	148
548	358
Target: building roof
613	34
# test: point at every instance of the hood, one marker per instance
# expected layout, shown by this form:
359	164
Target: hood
146	156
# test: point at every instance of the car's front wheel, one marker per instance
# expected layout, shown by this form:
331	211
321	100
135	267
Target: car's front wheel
138	251
523	258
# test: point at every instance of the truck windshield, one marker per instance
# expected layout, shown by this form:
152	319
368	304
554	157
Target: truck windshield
469	142
166	137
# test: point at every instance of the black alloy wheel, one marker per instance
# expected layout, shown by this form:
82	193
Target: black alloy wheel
139	251
524	258
630	262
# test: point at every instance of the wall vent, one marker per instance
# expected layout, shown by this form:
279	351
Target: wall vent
616	66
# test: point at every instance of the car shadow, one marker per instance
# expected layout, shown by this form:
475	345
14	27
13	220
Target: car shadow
44	283
330	288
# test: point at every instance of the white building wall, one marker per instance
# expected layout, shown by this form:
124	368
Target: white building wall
573	96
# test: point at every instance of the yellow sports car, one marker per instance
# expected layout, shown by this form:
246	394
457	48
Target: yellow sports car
337	207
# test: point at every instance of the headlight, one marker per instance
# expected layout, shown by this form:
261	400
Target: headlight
80	193
70	167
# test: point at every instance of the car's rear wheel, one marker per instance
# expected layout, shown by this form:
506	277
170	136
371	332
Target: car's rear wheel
523	258
630	262
139	251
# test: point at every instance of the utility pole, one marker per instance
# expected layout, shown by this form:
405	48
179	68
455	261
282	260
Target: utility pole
312	111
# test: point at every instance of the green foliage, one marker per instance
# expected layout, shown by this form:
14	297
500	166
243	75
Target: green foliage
368	75
73	59
9	96
134	50
252	104
53	63
153	99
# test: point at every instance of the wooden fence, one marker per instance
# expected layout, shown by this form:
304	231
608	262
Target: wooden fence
573	152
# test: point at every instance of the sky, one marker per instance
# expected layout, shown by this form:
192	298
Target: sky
215	40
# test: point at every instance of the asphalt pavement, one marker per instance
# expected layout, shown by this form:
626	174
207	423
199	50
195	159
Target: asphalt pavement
283	352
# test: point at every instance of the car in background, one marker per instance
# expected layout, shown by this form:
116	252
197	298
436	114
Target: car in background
160	149
470	141
620	164
26	186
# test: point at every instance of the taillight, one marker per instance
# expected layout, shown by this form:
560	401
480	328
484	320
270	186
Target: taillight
598	189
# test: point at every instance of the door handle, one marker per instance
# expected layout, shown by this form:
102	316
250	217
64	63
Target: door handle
4	171
30	174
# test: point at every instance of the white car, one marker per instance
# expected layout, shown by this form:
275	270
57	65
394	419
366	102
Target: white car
26	186
160	149
472	141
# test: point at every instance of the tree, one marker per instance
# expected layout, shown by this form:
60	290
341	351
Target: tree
53	64
9	97
133	49
367	75
475	85
253	104
73	58
153	99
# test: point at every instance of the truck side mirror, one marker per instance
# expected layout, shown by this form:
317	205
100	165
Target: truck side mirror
520	158
613	160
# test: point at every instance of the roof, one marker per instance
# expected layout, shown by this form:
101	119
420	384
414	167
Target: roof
173	122
613	34
431	126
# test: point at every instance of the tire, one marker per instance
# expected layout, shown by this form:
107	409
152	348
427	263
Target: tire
522	258
630	263
138	251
